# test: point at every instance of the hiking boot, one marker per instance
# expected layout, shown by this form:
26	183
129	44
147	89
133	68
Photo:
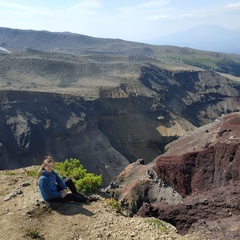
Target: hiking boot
92	198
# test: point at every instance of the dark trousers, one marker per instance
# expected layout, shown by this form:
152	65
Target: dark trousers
70	197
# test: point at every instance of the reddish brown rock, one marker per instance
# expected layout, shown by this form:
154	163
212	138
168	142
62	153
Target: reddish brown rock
198	167
204	167
216	212
138	184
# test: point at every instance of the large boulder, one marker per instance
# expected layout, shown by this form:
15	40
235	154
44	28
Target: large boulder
138	184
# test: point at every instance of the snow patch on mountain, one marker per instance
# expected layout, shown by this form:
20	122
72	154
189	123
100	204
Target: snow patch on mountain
4	50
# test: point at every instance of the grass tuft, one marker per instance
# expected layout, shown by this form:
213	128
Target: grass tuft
34	234
9	173
156	223
32	172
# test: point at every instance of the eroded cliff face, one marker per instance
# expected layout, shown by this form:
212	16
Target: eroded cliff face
34	124
115	128
104	134
203	168
207	158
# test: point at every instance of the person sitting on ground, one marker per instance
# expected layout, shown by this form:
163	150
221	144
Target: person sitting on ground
54	189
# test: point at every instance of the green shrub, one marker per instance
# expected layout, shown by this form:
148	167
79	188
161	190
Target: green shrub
156	223
114	204
34	234
85	182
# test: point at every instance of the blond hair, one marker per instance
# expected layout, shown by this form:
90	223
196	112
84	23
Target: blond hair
47	159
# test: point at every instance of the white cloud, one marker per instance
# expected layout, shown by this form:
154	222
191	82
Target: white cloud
152	4
193	15
14	6
157	18
144	8
233	5
85	5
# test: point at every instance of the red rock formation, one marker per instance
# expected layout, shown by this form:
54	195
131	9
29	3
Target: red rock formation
204	167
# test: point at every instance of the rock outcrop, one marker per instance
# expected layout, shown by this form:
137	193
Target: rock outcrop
138	184
203	167
205	159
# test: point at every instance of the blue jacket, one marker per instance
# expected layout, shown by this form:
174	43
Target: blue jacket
49	184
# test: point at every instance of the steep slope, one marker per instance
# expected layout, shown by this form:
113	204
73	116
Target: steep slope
203	167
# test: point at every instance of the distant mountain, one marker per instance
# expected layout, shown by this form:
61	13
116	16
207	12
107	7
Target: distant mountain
14	41
204	37
17	40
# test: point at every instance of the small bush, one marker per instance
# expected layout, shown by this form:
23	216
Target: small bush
114	204
85	182
34	234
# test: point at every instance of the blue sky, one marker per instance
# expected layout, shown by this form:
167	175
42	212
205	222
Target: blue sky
135	20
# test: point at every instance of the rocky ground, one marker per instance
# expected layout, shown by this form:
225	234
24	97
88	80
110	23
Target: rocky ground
23	215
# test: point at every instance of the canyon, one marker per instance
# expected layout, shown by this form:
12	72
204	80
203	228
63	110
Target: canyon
159	123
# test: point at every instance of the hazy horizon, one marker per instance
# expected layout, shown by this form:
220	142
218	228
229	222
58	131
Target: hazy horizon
138	20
